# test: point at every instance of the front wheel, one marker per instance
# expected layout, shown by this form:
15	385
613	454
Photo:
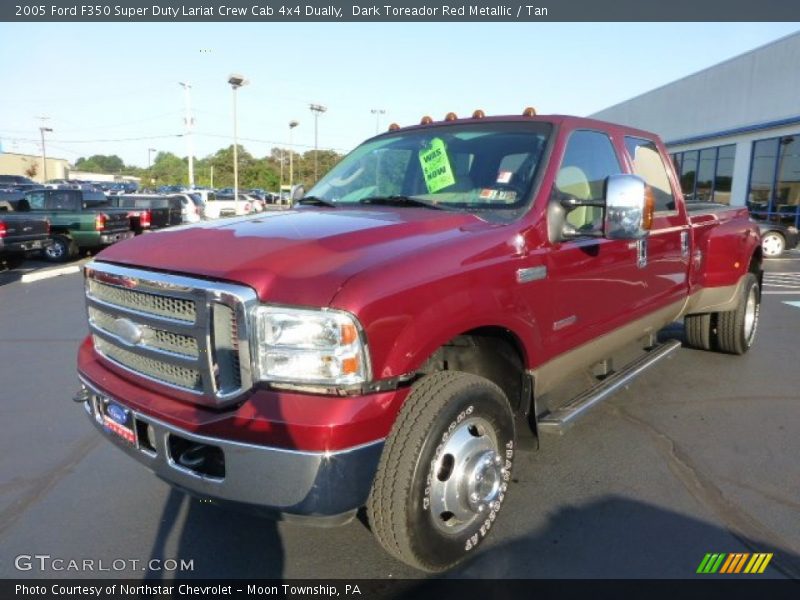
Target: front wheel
444	471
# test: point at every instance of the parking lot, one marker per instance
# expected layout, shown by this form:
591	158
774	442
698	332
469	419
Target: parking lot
699	455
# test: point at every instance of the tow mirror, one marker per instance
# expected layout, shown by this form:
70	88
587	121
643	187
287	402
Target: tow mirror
629	208
298	191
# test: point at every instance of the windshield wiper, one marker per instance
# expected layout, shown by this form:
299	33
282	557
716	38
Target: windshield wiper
316	201
399	201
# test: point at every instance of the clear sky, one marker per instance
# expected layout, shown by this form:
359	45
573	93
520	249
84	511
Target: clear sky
112	81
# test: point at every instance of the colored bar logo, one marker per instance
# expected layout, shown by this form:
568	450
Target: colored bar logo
734	563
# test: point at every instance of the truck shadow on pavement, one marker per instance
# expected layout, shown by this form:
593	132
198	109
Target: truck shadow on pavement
223	543
615	537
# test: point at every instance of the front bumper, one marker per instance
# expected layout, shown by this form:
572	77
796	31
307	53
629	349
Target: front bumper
280	482
111	238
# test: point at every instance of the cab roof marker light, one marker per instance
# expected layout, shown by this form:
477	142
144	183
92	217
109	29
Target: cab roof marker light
529	112
451	116
394	127
478	114
426	120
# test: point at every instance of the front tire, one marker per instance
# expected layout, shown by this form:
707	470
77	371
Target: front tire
444	471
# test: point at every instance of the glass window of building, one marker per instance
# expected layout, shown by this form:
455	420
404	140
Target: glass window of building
724	175
774	192
706	174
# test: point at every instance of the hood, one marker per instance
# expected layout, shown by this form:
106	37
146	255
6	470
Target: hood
299	256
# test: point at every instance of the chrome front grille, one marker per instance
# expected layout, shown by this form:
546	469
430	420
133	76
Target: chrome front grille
186	333
154	304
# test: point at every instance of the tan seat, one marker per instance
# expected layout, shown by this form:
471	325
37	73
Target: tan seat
572	181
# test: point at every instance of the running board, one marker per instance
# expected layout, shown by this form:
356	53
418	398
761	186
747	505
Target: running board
565	416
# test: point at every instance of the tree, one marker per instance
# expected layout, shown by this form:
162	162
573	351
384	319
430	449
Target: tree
100	163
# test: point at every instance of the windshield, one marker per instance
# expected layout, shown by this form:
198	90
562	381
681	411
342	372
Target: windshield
468	166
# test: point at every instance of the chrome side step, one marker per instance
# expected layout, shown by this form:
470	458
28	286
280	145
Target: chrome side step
562	418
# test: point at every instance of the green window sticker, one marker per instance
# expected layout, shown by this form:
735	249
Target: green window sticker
436	166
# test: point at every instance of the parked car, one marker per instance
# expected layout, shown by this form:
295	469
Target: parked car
20	235
79	220
777	238
191	207
391	341
225	206
162	211
12	180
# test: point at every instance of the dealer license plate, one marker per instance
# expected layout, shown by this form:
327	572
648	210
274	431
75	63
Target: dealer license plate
118	420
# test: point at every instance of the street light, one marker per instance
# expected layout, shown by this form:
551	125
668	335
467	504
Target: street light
150	162
317	109
377	112
292	125
236	81
44	153
189	122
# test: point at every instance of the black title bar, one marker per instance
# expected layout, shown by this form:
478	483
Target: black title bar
400	10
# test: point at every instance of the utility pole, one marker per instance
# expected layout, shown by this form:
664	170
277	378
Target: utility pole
189	122
317	109
236	81
292	125
42	130
377	112
149	163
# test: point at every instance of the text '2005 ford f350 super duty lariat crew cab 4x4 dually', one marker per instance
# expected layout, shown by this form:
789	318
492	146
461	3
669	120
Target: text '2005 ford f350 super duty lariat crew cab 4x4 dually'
391	341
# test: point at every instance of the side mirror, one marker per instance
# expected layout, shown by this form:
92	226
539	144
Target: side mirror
298	191
629	208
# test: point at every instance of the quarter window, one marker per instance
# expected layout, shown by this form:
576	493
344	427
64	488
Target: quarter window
648	165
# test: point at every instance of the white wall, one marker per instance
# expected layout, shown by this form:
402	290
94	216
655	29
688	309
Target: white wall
760	86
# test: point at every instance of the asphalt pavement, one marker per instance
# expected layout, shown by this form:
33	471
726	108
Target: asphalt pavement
698	455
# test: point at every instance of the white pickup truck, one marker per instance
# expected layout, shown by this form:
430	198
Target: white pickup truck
227	206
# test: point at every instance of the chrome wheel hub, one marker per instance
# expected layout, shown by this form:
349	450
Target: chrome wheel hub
467	477
751	315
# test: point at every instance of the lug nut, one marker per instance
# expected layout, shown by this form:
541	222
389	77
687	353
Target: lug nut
498	460
473	497
481	508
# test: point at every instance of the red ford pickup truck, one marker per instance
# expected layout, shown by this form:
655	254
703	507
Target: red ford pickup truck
393	340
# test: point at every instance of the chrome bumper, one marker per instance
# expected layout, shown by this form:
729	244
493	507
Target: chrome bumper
110	238
329	486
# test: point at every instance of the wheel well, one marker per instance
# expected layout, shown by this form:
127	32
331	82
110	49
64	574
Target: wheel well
491	352
755	266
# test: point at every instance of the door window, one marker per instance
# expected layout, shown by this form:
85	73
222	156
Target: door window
589	159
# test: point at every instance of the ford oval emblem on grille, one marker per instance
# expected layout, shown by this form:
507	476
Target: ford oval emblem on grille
117	413
128	331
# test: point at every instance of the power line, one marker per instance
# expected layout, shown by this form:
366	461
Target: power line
98	141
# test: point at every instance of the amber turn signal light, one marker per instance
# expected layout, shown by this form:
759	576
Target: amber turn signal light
649	208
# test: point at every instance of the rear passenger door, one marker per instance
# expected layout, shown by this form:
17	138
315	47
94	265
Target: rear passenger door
666	250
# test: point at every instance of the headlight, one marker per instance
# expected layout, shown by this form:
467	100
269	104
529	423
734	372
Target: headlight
309	346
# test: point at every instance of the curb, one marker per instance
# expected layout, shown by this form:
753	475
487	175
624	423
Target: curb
39	275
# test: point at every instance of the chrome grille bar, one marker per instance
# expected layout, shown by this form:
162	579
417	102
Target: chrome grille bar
187	333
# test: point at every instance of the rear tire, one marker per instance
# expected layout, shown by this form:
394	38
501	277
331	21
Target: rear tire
444	471
736	329
773	244
697	329
61	250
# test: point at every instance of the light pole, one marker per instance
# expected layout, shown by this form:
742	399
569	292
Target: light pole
317	109
236	81
44	153
149	163
189	122
377	112
292	125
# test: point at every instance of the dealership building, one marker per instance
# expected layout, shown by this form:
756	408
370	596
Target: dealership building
733	129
